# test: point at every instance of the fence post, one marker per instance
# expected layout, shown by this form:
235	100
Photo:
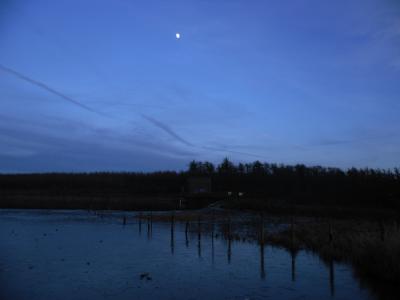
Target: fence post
148	226
140	223
292	229
262	229
186	233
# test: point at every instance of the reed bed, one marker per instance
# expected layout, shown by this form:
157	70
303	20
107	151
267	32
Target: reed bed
372	247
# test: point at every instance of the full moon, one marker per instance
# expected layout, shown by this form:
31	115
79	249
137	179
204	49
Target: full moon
178	35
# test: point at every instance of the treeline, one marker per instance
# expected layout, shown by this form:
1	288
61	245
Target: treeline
96	183
302	184
292	184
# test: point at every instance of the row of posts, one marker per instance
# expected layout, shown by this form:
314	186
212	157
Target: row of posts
261	239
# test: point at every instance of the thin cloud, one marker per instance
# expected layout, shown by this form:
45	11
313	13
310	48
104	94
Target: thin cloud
49	89
44	86
153	121
167	129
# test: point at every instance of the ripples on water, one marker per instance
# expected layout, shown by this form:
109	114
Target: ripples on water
78	255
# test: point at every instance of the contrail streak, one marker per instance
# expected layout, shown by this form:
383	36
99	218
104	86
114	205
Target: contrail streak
153	121
49	89
44	86
232	151
167	129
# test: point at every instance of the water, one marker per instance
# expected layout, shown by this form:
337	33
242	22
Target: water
78	255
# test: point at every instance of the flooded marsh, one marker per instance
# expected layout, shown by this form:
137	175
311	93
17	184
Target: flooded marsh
117	255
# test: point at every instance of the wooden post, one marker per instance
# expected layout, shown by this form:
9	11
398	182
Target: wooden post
262	229
151	222
199	227
172	220
292	230
186	233
229	228
212	228
140	223
148	226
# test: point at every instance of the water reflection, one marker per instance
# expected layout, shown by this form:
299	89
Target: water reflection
331	278
293	255
212	249
262	263
212	242
172	234
229	252
199	237
228	242
228	237
170	261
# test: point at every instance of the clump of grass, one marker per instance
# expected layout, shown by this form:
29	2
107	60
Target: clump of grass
373	250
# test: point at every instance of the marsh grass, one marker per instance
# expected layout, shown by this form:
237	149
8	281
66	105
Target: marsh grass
372	247
372	251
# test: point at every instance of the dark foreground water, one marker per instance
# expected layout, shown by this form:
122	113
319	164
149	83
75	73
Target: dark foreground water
78	255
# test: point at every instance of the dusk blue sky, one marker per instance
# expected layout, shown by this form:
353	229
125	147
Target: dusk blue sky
104	85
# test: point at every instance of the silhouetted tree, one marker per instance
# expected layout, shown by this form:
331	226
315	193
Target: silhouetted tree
241	168
226	167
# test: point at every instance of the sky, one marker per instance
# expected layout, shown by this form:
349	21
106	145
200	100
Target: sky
105	85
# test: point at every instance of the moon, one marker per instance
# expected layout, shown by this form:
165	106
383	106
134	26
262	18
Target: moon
177	35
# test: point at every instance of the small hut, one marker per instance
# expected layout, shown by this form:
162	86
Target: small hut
198	185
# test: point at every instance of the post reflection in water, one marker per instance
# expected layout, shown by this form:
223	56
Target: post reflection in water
293	256
199	237
262	262
212	242
229	236
176	270
172	234
332	277
229	239
229	249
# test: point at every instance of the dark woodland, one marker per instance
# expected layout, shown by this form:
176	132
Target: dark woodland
259	184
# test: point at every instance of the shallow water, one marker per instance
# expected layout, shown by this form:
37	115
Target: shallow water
77	255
